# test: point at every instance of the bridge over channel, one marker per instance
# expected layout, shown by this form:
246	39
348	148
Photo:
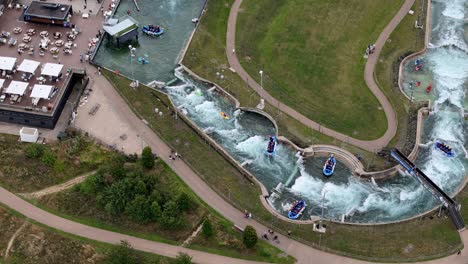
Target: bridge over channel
453	209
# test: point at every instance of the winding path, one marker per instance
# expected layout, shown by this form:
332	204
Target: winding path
392	122
59	187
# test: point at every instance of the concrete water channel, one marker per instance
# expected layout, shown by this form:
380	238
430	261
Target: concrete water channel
244	135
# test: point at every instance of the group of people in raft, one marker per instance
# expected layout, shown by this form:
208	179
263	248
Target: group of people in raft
329	164
271	145
443	147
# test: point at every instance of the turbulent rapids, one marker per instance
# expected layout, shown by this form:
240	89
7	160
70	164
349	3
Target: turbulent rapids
245	136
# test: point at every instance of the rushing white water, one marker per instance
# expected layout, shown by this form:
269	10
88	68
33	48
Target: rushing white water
245	137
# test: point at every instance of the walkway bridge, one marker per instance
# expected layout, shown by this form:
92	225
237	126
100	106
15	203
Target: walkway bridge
447	202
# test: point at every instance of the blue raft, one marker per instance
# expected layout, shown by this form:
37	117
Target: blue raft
297	209
329	166
448	152
152	31
271	148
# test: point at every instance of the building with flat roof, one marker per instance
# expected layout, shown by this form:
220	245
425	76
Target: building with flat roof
37	105
48	13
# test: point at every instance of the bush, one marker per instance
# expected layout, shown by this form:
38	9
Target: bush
124	254
170	217
147	158
207	228
183	258
34	150
250	236
49	158
139	209
77	145
59	166
93	184
184	202
117	196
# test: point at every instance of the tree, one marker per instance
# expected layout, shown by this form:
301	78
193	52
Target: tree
207	228
250	236
183	258
139	209
184	202
155	210
170	218
147	158
115	167
123	254
116	197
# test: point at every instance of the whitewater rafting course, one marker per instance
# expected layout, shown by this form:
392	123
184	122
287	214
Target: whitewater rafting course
245	136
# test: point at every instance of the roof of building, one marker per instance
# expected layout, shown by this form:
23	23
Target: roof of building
126	25
48	10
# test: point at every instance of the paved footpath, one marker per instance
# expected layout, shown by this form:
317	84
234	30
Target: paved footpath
392	122
303	253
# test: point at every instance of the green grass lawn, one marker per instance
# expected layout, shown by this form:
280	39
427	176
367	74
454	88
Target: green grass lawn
312	55
406	39
462	197
437	237
73	157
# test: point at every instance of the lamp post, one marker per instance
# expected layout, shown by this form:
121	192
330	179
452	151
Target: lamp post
261	79
132	54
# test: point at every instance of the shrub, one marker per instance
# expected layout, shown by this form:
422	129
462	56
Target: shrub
170	218
207	228
155	210
139	209
147	158
183	258
34	150
250	236
93	184
184	202
59	166
124	254
49	158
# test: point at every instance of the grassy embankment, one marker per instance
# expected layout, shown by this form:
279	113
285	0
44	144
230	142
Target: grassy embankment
38	244
406	39
59	161
312	56
436	237
154	204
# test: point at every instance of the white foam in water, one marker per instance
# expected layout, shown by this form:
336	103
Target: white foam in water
454	9
403	197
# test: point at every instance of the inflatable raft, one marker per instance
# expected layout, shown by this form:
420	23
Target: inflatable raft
153	30
297	209
271	148
329	166
448	152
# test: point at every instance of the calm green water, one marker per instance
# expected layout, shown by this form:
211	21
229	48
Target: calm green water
174	16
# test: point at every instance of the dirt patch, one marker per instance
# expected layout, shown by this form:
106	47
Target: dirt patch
34	244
